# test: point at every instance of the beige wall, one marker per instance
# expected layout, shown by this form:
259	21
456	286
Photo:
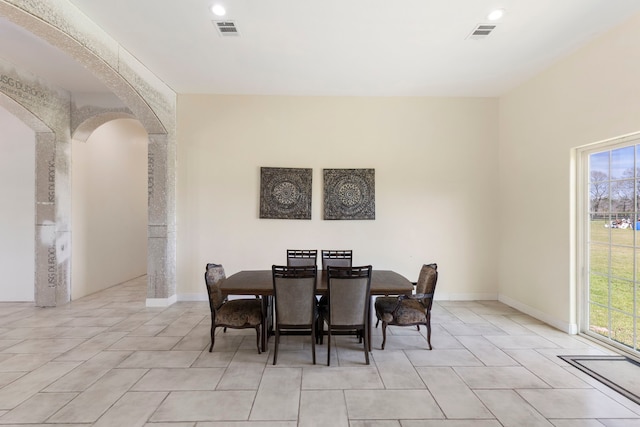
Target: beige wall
590	96
436	174
109	207
17	214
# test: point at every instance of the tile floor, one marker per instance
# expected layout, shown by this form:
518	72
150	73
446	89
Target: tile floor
106	360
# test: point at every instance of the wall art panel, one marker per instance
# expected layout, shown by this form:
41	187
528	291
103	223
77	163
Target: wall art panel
285	193
349	194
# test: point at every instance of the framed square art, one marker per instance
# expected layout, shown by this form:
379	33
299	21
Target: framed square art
285	193
349	194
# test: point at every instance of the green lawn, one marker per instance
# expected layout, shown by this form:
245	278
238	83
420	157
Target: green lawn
619	292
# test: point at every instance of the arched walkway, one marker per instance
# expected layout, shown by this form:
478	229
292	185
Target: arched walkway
53	114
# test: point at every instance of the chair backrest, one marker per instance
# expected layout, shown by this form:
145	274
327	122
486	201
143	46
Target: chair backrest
302	257
427	283
294	289
213	276
336	258
348	290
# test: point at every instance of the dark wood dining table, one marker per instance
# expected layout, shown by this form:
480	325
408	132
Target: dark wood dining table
260	283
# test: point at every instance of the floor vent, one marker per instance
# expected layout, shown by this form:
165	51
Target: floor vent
226	28
481	31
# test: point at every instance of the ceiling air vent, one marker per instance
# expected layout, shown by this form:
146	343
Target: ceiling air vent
481	31
226	28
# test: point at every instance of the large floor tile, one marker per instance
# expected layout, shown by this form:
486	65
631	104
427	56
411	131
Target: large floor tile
37	408
232	424
215	359
510	377
89	405
228	405
131	410
160	359
451	423
579	403
171	379
91	347
89	372
547	370
25	362
396	370
376	423
485	351
511	409
453	396
14	393
323	408
145	343
391	404
448	357
521	342
339	378
45	345
244	372
278	396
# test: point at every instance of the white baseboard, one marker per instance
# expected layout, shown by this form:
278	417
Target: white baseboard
161	302
569	328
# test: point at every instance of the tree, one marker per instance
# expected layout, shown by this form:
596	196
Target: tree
599	190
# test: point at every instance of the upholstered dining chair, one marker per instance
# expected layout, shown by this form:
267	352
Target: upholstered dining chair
302	257
413	310
294	290
349	301
334	258
235	314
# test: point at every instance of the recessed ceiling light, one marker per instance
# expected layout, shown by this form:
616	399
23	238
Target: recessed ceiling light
495	15
218	10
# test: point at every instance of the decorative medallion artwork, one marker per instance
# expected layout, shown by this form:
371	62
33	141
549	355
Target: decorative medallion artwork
285	193
349	194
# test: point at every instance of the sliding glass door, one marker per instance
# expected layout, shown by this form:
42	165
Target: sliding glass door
611	306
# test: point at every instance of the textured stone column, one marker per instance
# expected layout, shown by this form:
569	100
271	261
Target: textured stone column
45	109
161	268
46	263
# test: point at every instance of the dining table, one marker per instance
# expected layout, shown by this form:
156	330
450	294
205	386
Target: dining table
260	283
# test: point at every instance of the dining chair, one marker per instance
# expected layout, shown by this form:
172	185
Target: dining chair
334	258
294	290
349	301
302	257
236	313
410	310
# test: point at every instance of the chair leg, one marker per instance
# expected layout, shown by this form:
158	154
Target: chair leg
316	326
313	343
328	345
384	333
213	337
258	337
275	348
366	348
429	331
320	330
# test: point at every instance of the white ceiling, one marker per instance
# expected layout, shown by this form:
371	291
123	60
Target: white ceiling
334	47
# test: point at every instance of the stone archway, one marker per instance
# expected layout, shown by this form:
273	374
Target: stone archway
143	96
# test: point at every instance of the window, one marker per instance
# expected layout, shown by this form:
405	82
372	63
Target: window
610	305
